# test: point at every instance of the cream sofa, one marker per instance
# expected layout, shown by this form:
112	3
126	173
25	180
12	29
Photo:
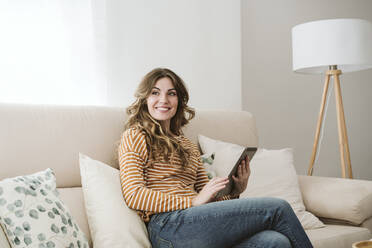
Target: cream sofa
35	137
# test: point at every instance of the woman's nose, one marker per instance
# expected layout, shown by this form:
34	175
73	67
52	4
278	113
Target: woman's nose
164	98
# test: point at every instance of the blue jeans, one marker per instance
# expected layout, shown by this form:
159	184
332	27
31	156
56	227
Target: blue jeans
248	222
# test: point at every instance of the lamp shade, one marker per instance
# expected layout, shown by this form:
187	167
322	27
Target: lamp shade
346	43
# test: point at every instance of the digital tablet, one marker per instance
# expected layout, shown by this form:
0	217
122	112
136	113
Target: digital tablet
248	151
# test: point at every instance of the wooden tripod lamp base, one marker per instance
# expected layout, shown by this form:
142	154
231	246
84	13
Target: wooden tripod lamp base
335	45
342	134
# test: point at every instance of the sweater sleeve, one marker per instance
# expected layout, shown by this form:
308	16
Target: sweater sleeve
133	156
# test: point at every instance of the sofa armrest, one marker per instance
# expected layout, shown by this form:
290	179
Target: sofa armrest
337	198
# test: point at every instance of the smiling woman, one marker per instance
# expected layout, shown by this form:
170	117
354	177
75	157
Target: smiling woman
163	179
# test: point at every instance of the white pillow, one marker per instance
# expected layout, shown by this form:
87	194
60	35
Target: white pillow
32	215
112	224
224	154
272	175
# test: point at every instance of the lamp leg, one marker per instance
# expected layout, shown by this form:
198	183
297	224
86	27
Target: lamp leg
319	125
343	140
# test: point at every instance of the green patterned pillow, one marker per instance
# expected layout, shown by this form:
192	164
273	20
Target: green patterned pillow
33	215
207	160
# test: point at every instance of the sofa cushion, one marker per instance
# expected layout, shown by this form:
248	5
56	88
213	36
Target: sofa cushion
272	175
111	222
337	236
338	198
32	213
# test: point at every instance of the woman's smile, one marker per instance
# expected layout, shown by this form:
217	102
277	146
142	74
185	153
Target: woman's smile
162	109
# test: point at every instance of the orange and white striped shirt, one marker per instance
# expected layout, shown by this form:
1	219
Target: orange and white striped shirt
161	187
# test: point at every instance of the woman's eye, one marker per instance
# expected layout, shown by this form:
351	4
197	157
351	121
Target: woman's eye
155	93
172	94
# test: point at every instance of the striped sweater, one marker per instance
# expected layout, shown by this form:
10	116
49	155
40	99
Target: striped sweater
161	187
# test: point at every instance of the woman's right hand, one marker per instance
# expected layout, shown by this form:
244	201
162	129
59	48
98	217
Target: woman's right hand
210	190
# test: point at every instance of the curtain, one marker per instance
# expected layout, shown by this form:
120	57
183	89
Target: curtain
53	52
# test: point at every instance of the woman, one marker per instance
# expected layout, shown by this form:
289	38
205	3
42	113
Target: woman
163	179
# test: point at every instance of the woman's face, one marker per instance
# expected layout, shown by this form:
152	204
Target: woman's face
163	101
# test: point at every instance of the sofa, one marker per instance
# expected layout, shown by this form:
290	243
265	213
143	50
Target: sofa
36	137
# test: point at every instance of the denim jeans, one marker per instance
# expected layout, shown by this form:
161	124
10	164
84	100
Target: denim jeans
248	222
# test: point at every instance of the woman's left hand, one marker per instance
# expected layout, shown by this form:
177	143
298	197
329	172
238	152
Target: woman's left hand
241	180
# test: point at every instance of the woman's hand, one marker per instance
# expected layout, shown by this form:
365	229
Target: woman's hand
241	180
210	190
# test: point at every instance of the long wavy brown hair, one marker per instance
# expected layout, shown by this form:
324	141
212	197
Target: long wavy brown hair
160	141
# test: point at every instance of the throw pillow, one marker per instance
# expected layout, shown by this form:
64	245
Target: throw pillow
112	224
4	242
207	160
272	175
32	214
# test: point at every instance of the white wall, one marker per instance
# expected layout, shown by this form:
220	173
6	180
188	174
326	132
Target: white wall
199	40
287	104
48	53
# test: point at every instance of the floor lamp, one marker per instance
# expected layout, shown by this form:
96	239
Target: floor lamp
332	47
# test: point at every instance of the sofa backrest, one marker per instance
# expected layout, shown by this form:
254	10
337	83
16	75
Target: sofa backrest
36	137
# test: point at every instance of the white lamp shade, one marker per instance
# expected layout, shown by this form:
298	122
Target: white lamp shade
346	43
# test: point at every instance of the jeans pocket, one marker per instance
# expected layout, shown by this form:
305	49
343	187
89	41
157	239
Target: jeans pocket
163	243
